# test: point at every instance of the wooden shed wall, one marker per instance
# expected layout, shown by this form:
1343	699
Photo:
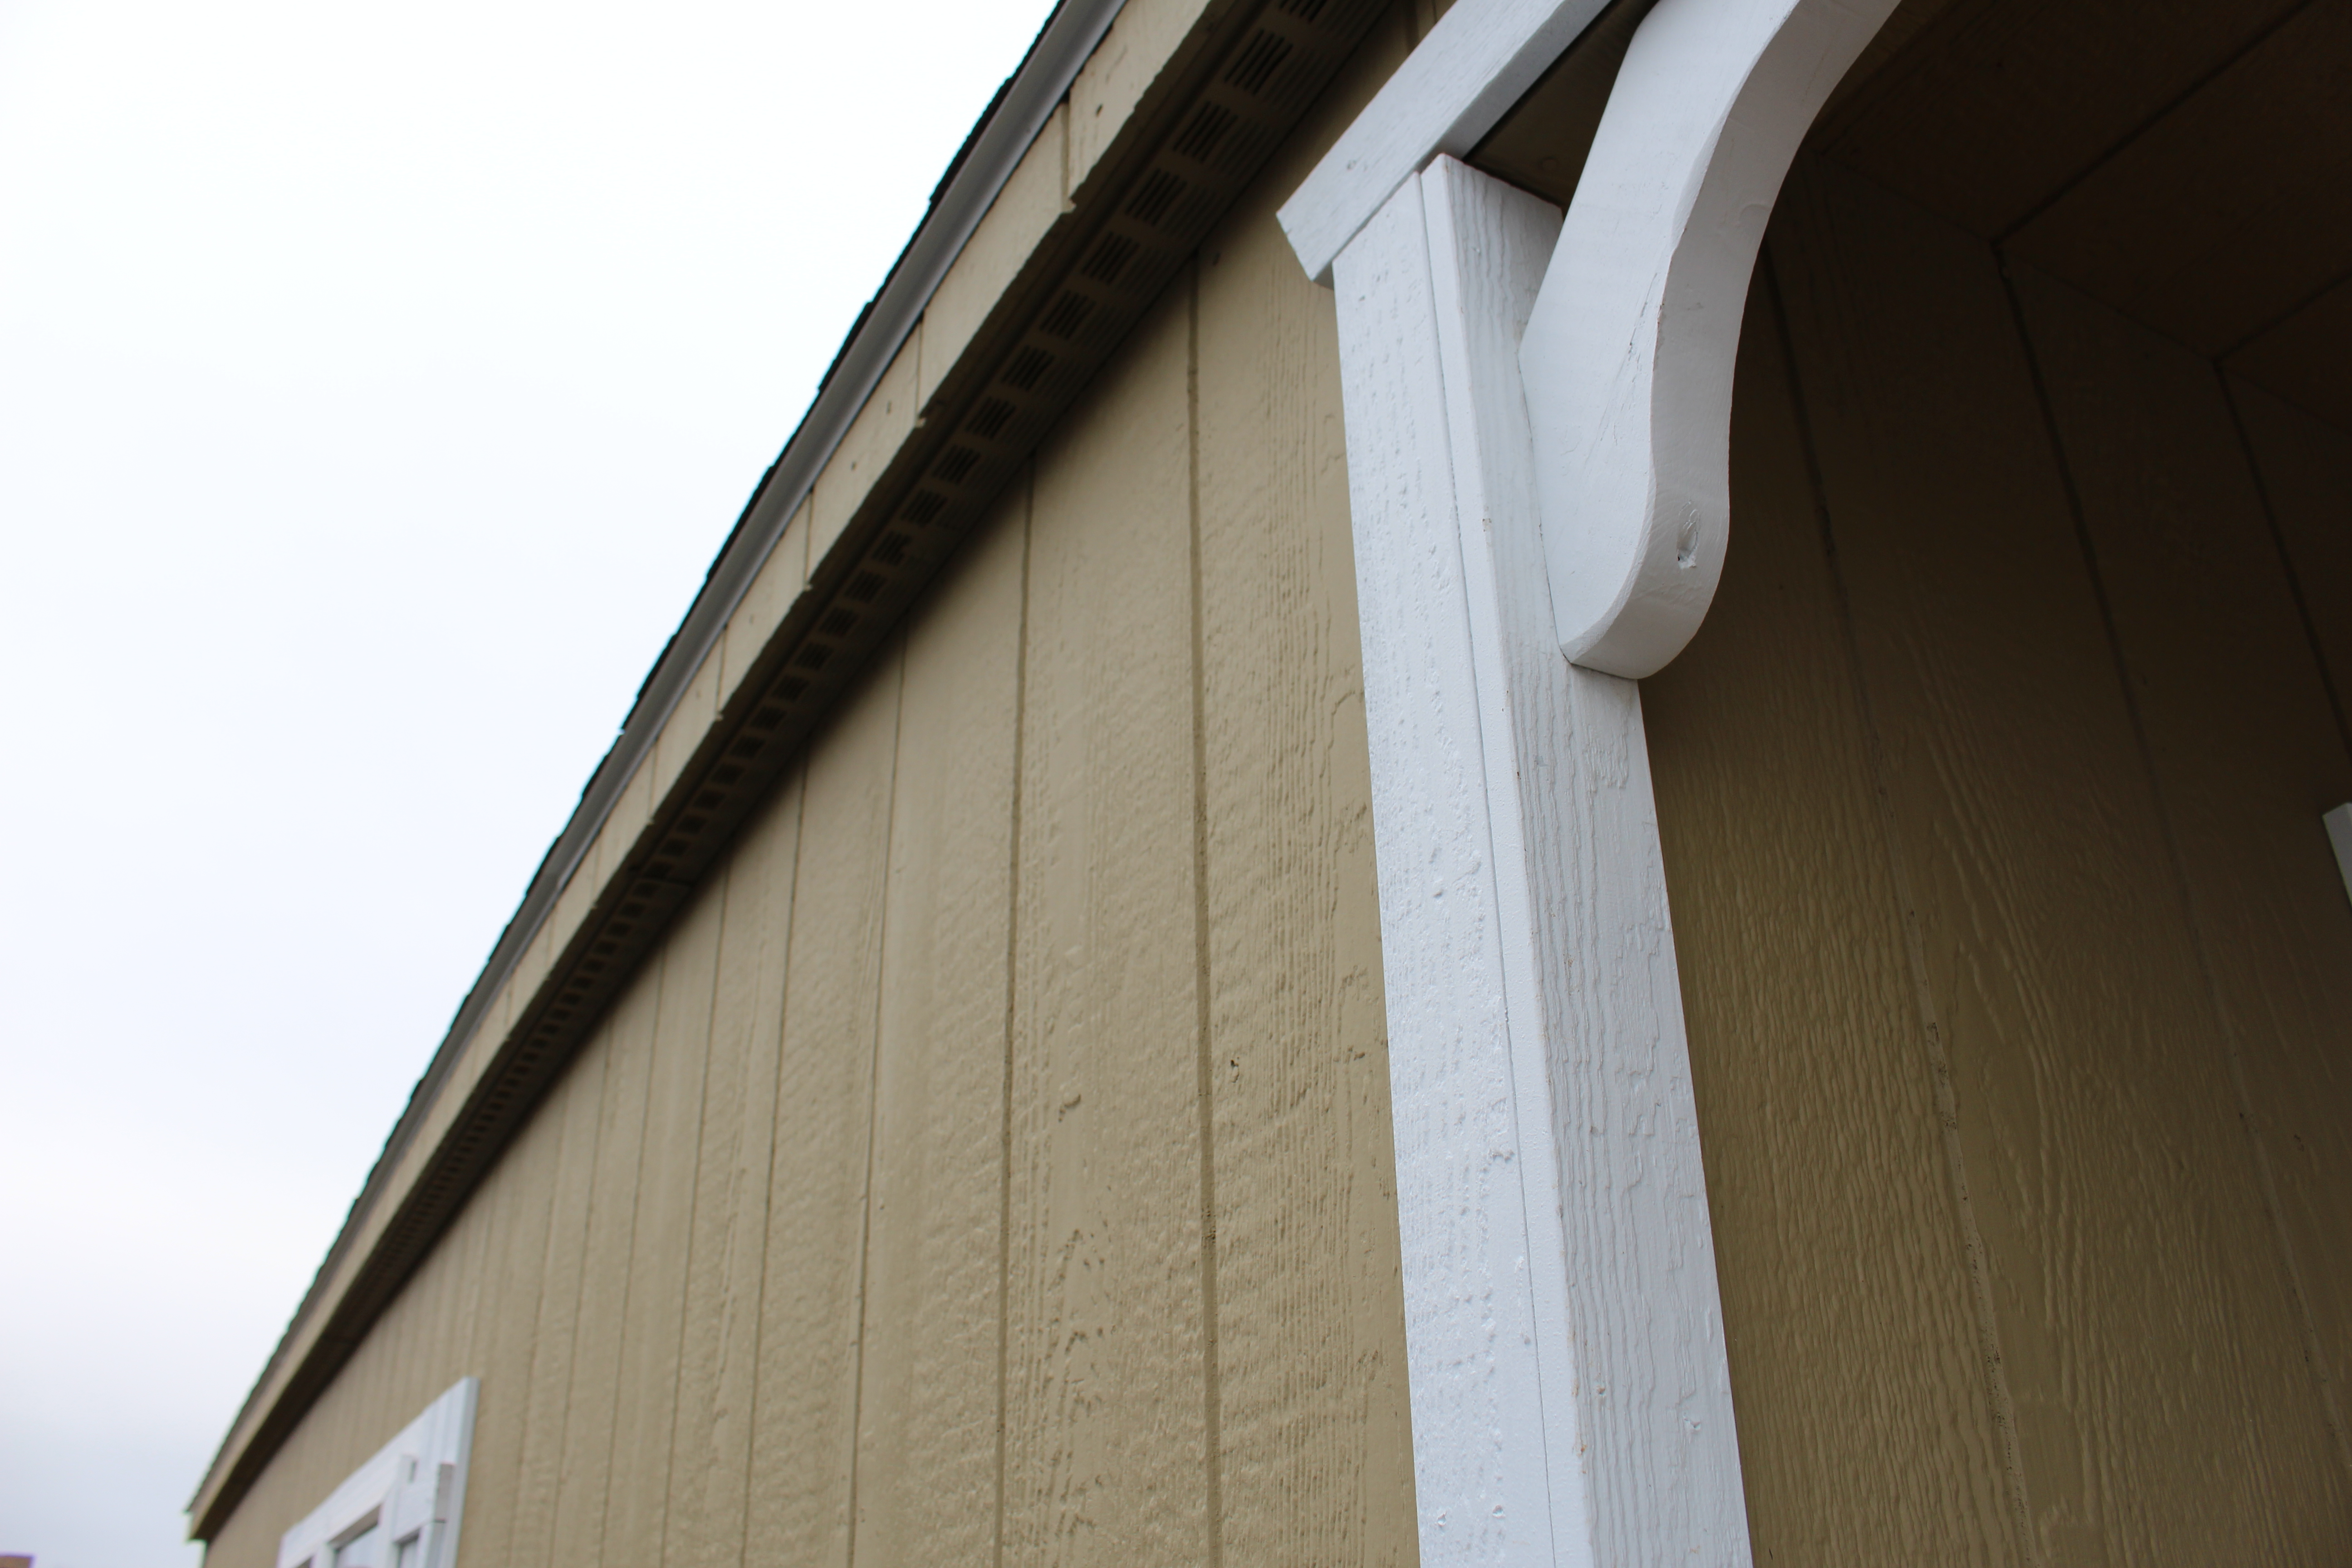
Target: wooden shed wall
995	1156
2016	966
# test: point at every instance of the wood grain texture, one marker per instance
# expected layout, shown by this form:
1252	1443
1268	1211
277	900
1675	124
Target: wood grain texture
576	1107
590	1407
803	1430
1190	703
1628	352
1106	1399
1315	1458
872	439
1033	200
1997	105
645	1408
726	1259
928	1399
2226	215
1142	42
2149	1339
766	604
1866	1430
521	1210
2246	755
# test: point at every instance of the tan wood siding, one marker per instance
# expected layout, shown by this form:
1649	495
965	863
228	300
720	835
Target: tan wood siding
575	1529
1851	1325
1989	801
2306	467
933	1302
726	1272
805	1400
2245	753
1310	1390
539	1476
1106	1368
992	1164
514	1214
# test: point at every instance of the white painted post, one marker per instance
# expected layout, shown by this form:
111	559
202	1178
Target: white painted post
1571	1395
1480	1464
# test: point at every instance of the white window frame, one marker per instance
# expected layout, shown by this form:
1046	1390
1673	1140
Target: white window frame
415	1486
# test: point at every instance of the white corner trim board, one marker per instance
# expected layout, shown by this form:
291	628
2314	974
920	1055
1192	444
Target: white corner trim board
1628	355
1473	1238
1537	411
1477	61
402	1509
1570	1388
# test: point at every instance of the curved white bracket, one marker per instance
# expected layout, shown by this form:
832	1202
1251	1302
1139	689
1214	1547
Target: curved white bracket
1628	354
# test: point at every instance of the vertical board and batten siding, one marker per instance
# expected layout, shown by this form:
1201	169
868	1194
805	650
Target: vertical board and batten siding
1843	1265
932	1305
1106	1355
726	1268
1313	1431
804	1397
583	1444
2244	750
2016	971
993	1162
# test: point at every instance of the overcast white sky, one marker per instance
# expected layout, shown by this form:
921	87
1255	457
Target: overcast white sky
377	382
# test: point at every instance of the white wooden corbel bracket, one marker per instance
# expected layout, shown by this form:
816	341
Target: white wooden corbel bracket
1537	411
1628	353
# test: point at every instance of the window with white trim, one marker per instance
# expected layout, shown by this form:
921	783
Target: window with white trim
401	1508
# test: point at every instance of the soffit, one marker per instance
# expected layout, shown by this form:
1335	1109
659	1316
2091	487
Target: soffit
2186	164
1995	106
